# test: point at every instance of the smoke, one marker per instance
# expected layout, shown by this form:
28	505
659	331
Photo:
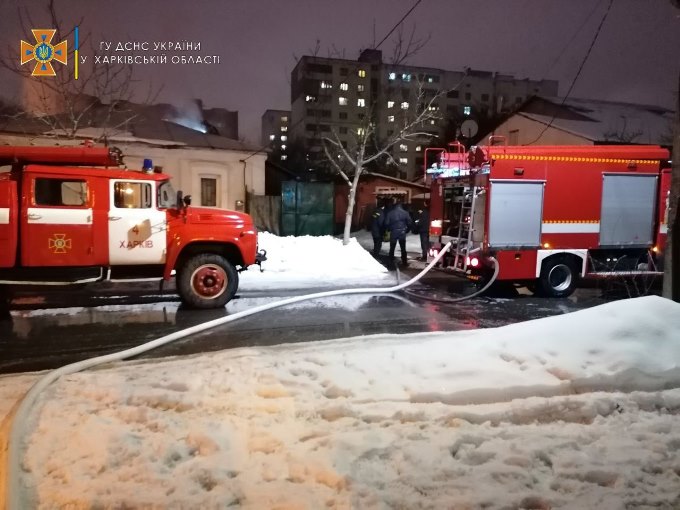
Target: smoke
190	115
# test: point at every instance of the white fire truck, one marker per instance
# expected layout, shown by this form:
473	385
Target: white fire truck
74	215
549	215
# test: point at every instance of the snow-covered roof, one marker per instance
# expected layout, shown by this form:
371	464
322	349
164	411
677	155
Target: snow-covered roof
158	125
403	182
603	121
95	133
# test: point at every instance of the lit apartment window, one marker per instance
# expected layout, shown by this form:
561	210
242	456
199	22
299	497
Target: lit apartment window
404	105
284	157
467	110
433	107
390	104
432	122
272	137
284	129
403	161
284	138
362	73
390	118
310	99
361	102
430	79
326	85
361	131
419	148
342	101
392	76
344	86
360	88
284	118
403	147
283	146
406	77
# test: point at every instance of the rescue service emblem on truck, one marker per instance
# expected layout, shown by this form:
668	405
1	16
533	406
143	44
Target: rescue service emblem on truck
59	244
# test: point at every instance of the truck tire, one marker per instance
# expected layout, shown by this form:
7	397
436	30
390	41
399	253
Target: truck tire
558	278
207	281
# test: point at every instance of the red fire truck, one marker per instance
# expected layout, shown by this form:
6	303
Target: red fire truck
75	215
548	215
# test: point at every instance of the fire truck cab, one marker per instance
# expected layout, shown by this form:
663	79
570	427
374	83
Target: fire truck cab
75	215
549	215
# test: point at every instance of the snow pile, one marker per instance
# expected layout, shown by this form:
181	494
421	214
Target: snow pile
308	261
575	411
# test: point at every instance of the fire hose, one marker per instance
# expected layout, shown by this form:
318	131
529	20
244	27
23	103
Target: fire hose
16	445
461	298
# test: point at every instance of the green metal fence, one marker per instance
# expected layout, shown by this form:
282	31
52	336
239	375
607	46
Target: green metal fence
306	208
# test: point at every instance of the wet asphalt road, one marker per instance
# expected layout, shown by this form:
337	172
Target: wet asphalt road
39	335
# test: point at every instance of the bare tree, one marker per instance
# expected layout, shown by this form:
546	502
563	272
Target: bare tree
404	48
100	95
623	134
368	147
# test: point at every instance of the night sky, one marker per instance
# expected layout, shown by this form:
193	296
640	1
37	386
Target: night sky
636	57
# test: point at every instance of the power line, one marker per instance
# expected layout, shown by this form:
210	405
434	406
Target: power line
578	73
399	23
581	25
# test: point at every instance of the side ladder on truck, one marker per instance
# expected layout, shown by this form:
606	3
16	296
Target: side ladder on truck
465	228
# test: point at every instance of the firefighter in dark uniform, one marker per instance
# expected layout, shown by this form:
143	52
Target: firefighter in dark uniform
378	227
422	228
398	222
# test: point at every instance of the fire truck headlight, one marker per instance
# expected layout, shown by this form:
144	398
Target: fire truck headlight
473	262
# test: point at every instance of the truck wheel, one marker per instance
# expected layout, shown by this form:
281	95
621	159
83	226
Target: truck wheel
558	278
207	281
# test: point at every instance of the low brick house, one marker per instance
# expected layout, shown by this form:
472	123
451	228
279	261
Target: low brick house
372	187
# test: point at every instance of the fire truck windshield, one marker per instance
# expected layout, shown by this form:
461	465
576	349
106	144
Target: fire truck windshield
167	197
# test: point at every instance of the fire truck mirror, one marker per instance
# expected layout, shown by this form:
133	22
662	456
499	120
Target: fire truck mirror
180	199
187	200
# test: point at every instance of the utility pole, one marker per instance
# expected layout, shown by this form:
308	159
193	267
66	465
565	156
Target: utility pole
671	274
671	277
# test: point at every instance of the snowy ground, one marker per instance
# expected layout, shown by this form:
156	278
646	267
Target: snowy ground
575	411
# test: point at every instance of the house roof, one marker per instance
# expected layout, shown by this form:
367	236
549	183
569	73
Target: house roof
149	124
602	121
396	180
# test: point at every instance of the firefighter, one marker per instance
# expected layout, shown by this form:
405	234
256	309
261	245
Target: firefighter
398	222
422	228
378	227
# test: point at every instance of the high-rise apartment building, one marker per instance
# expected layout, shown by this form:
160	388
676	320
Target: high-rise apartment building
331	94
275	132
